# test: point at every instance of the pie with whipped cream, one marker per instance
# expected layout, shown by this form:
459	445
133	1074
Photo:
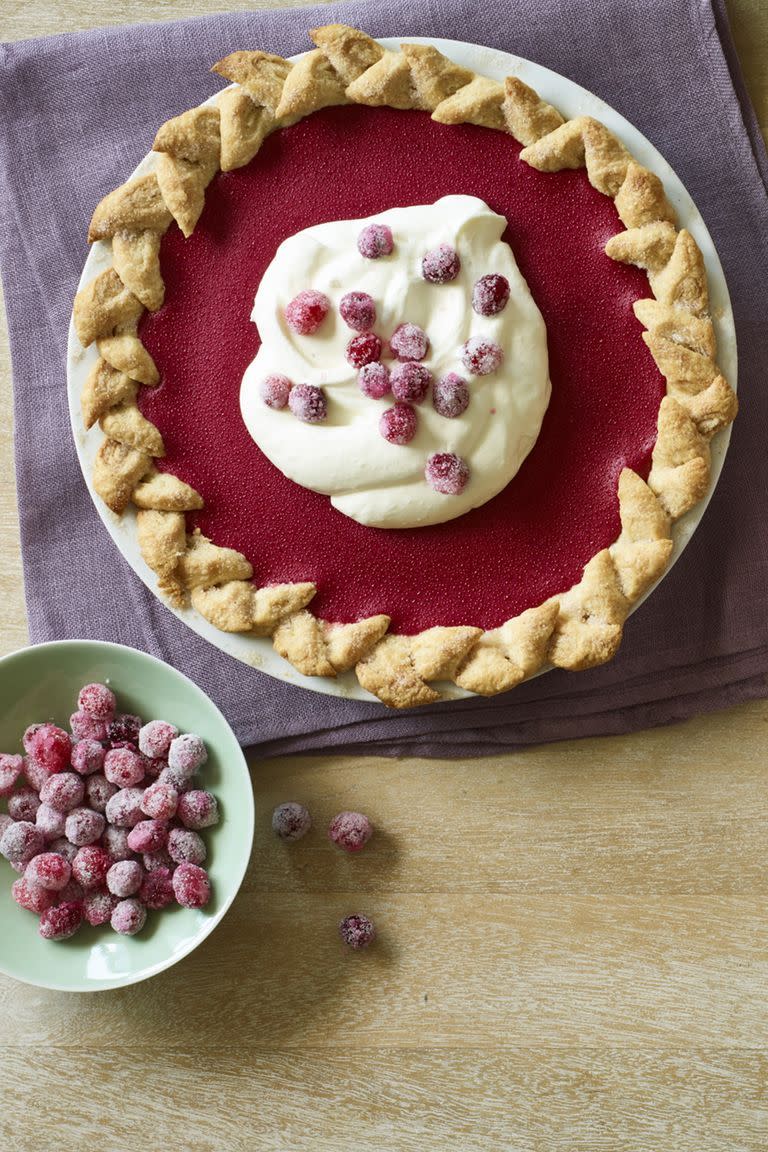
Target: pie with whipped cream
400	368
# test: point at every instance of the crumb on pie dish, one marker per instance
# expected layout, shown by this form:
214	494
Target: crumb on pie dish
399	363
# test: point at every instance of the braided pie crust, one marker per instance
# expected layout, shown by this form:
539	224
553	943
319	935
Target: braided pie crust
576	630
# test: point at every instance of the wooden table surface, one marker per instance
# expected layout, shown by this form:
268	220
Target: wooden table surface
573	940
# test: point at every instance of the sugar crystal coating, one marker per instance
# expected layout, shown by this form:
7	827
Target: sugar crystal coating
350	831
358	311
308	403
306	312
5	822
159	859
87	757
357	931
124	727
84	826
63	791
447	473
191	886
98	791
32	896
23	804
450	395
375	240
187	753
98	907
179	780
72	891
50	747
26	739
185	846
409	342
291	821
440	265
97	700
61	922
373	380
481	356
11	768
124	808
410	382
124	878
148	836
35	774
91	865
398	424
128	917
198	809
64	848
274	391
365	348
50	821
123	767
490	294
160	801
115	843
85	727
49	870
156	890
21	841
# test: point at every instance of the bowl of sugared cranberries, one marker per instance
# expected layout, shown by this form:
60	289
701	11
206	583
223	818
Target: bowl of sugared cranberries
126	816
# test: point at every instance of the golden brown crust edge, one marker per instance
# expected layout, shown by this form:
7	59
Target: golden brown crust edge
577	630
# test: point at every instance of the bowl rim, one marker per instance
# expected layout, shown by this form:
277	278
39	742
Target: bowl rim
212	921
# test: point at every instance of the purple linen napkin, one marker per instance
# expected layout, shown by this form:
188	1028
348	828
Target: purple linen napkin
79	111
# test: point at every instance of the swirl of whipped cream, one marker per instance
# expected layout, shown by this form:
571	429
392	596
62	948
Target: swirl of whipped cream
374	482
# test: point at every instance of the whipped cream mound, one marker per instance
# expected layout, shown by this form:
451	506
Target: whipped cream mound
375	482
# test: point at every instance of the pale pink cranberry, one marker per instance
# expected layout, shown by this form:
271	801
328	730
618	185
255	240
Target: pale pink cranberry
365	348
160	801
187	753
179	780
191	886
98	907
98	701
91	865
440	265
124	808
11	768
50	747
374	241
306	312
124	727
148	836
5	822
32	896
274	391
115	843
128	917
409	342
373	380
357	931
450	396
481	356
156	738
410	382
446	473
358	311
72	891
152	768
85	727
125	877
64	848
23	805
61	922
186	846
84	826
490	294
156	890
98	792
49	870
29	733
154	860
35	773
398	424
123	767
198	809
50	821
308	403
290	821
350	831
63	791
87	757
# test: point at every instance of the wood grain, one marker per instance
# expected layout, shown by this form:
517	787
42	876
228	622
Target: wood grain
573	941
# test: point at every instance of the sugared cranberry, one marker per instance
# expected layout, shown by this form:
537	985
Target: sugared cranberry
98	701
410	382
148	836
160	801
274	391
124	808
64	848
179	780
50	821
87	757
198	809
450	395
63	791
115	843
481	356
191	886
187	753
49	870
10	769
440	265
363	349
306	312
124	727
50	747
91	865
23	805
374	241
398	424
159	859
84	727
358	311
373	380
98	791
291	821
409	342
26	739
156	737
72	891
98	907
61	922
35	774
350	831
32	896
447	473
125	877
84	826
156	890
123	767
357	931
490	294
308	403
128	917
186	846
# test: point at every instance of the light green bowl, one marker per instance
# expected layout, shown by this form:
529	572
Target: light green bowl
41	683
